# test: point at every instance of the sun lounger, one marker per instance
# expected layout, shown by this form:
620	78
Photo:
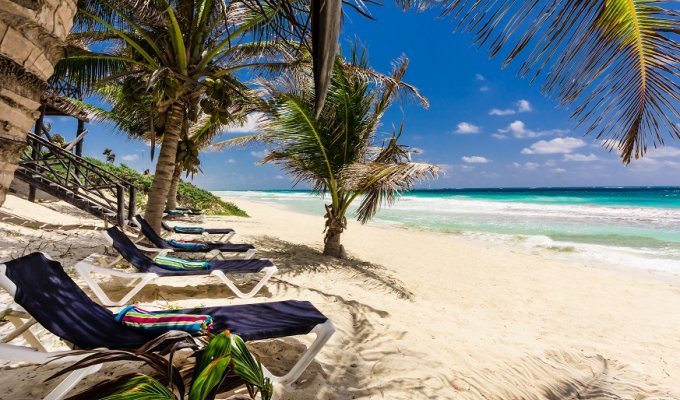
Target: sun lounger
226	233
217	249
149	270
41	287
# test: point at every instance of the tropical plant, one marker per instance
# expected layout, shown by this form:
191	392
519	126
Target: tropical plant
222	365
165	53
31	43
109	155
339	152
618	60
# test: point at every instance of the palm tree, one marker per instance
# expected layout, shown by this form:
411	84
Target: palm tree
31	43
339	152
166	51
618	60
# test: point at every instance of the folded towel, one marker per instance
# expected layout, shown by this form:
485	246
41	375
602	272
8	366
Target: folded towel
177	264
182	244
188	229
161	321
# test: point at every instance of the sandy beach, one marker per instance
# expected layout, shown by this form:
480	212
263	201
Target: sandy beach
422	314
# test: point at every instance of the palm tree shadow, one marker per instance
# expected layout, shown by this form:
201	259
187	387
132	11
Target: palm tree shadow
297	259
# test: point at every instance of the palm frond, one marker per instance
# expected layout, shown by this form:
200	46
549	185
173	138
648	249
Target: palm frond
382	183
85	69
241	141
617	60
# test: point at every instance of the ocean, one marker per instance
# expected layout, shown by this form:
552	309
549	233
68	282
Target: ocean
635	227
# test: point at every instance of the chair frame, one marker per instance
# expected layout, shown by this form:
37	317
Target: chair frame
322	332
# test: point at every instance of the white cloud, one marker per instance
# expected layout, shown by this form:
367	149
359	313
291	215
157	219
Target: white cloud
466	128
278	177
484	89
250	126
498	112
499	136
555	146
581	157
520	131
528	165
480	77
231	161
130	157
476	160
524	106
559	170
259	154
663	152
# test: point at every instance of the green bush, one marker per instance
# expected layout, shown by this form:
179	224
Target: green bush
188	195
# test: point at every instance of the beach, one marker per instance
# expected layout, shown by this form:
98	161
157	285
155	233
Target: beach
431	315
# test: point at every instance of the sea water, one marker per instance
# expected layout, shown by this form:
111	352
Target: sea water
624	226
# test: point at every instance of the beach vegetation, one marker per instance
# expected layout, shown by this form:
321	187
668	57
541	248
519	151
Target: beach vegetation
341	152
223	365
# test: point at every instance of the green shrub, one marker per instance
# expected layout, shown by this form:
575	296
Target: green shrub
188	195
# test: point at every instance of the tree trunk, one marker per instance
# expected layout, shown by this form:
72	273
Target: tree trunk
334	227
165	167
172	194
31	42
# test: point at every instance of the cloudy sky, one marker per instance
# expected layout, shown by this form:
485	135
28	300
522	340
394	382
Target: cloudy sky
486	127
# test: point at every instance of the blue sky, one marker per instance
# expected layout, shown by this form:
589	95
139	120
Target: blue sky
485	126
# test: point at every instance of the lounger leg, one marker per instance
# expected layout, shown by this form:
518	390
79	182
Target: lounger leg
23	329
323	333
268	272
71	381
85	270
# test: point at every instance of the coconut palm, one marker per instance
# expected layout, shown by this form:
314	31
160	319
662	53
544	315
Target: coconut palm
31	43
618	60
168	52
340	152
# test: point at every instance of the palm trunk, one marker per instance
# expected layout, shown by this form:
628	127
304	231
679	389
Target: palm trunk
335	225
31	40
165	168
172	194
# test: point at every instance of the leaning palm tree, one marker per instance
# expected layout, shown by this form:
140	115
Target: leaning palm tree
167	51
31	43
339	152
617	60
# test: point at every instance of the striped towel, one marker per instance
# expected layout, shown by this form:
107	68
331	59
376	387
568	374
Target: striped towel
162	321
181	244
177	264
188	229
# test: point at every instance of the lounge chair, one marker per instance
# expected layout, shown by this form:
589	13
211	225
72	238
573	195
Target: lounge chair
149	270
41	287
226	233
214	248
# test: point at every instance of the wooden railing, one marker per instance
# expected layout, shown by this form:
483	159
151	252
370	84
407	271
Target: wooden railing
54	169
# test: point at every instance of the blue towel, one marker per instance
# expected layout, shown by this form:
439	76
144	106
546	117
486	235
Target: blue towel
188	245
188	229
177	264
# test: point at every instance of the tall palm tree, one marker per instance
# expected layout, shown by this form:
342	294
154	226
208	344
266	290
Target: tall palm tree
339	152
167	51
617	60
31	41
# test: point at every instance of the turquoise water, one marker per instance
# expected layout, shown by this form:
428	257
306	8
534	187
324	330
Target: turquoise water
639	226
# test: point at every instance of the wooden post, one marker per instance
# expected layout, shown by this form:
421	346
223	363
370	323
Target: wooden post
132	207
35	150
120	197
79	145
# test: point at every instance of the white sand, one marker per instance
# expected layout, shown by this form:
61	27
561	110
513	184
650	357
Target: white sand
435	316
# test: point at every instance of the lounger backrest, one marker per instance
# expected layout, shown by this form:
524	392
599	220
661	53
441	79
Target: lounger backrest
46	292
128	250
150	234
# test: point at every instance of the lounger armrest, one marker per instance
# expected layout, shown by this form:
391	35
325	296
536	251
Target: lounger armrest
86	266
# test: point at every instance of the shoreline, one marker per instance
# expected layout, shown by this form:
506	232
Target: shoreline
422	314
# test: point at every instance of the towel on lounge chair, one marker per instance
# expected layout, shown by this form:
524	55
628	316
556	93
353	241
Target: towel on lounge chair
178	264
187	245
134	317
188	229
